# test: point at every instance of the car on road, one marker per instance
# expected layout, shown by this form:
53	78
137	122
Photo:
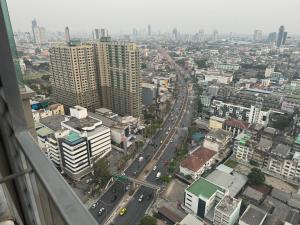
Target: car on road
95	205
114	198
154	168
101	211
141	198
123	211
158	175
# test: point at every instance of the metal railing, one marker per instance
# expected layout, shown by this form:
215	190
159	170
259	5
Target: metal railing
35	191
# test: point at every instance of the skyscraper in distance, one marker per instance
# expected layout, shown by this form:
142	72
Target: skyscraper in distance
257	36
272	37
284	38
67	35
99	33
134	32
34	28
215	34
42	35
175	33
149	29
96	34
280	36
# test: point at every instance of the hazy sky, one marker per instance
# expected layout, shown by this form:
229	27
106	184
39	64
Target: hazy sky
237	16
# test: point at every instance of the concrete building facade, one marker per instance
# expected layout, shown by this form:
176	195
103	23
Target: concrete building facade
73	76
118	66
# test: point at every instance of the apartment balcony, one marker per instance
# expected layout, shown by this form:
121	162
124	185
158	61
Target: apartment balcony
32	191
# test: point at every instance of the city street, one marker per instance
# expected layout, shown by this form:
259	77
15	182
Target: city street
160	166
137	166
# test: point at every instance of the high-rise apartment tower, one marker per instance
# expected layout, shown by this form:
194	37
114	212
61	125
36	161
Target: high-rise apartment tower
73	76
118	66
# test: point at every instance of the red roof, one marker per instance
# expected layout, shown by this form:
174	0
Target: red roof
237	123
197	159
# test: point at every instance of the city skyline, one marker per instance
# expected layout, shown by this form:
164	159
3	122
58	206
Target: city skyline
205	15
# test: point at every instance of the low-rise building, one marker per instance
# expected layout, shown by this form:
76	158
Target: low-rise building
97	135
227	211
73	143
217	140
219	76
244	146
54	109
201	196
216	122
189	219
197	162
290	103
235	126
227	66
51	140
253	216
224	176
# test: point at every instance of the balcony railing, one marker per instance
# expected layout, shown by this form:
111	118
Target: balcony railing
32	191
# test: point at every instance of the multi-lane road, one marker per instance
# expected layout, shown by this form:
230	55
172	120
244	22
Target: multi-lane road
178	117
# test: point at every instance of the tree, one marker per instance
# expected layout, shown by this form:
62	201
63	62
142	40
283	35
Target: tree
45	77
148	220
256	177
102	173
201	63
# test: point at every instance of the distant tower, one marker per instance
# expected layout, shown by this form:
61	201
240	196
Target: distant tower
215	34
272	37
99	33
257	36
280	36
175	33
34	27
103	32
67	34
284	37
134	32
149	29
201	34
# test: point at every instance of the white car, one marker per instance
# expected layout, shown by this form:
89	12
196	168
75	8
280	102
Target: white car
101	211
141	198
154	168
94	205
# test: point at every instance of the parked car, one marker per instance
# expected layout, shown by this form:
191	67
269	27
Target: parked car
101	211
95	205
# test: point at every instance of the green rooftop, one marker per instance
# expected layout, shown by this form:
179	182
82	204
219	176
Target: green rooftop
44	131
245	139
297	140
203	188
72	136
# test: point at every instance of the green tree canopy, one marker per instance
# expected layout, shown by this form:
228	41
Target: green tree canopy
148	220
256	177
102	173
